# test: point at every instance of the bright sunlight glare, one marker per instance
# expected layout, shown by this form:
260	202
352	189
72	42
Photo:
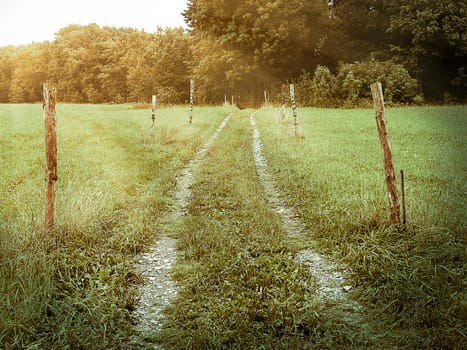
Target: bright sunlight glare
27	21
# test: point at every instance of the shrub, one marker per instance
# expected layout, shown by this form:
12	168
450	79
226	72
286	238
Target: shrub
304	89
318	90
419	99
398	85
350	87
324	86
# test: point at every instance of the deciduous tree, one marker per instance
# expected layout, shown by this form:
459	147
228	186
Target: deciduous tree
274	38
430	38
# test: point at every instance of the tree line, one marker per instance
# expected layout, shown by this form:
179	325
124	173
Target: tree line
241	48
93	64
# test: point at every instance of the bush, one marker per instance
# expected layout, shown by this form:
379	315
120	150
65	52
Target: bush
398	85
317	91
350	87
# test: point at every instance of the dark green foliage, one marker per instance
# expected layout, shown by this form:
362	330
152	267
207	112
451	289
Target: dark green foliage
351	85
319	90
268	42
353	81
277	41
430	38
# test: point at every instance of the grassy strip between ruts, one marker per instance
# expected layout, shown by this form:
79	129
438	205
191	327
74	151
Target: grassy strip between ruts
72	288
240	287
413	278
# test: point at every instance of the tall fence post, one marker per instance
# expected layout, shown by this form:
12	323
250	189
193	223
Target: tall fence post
294	108
50	123
192	89
378	102
153	114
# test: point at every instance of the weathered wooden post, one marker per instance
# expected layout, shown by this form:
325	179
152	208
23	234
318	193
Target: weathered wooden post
294	108
50	123
378	101
153	114
192	89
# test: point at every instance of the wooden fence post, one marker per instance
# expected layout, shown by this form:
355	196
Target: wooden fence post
378	101
294	108
192	89
50	123
153	114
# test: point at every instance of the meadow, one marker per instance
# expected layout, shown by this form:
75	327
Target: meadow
239	285
74	287
412	278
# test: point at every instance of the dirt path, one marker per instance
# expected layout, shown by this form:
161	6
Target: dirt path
159	290
155	266
331	277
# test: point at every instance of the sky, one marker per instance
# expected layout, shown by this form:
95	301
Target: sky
25	21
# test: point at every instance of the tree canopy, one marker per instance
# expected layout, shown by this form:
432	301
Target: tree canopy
272	40
242	47
430	38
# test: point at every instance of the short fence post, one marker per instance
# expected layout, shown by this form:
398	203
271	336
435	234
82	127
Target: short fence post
294	108
192	88
153	114
50	123
378	101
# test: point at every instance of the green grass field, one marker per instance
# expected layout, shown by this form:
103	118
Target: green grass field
239	286
413	279
73	287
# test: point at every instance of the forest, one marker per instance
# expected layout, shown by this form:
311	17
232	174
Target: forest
242	48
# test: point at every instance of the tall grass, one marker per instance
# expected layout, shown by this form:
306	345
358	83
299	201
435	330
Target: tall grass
72	288
413	278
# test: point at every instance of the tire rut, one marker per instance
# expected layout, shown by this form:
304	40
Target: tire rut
330	276
158	289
